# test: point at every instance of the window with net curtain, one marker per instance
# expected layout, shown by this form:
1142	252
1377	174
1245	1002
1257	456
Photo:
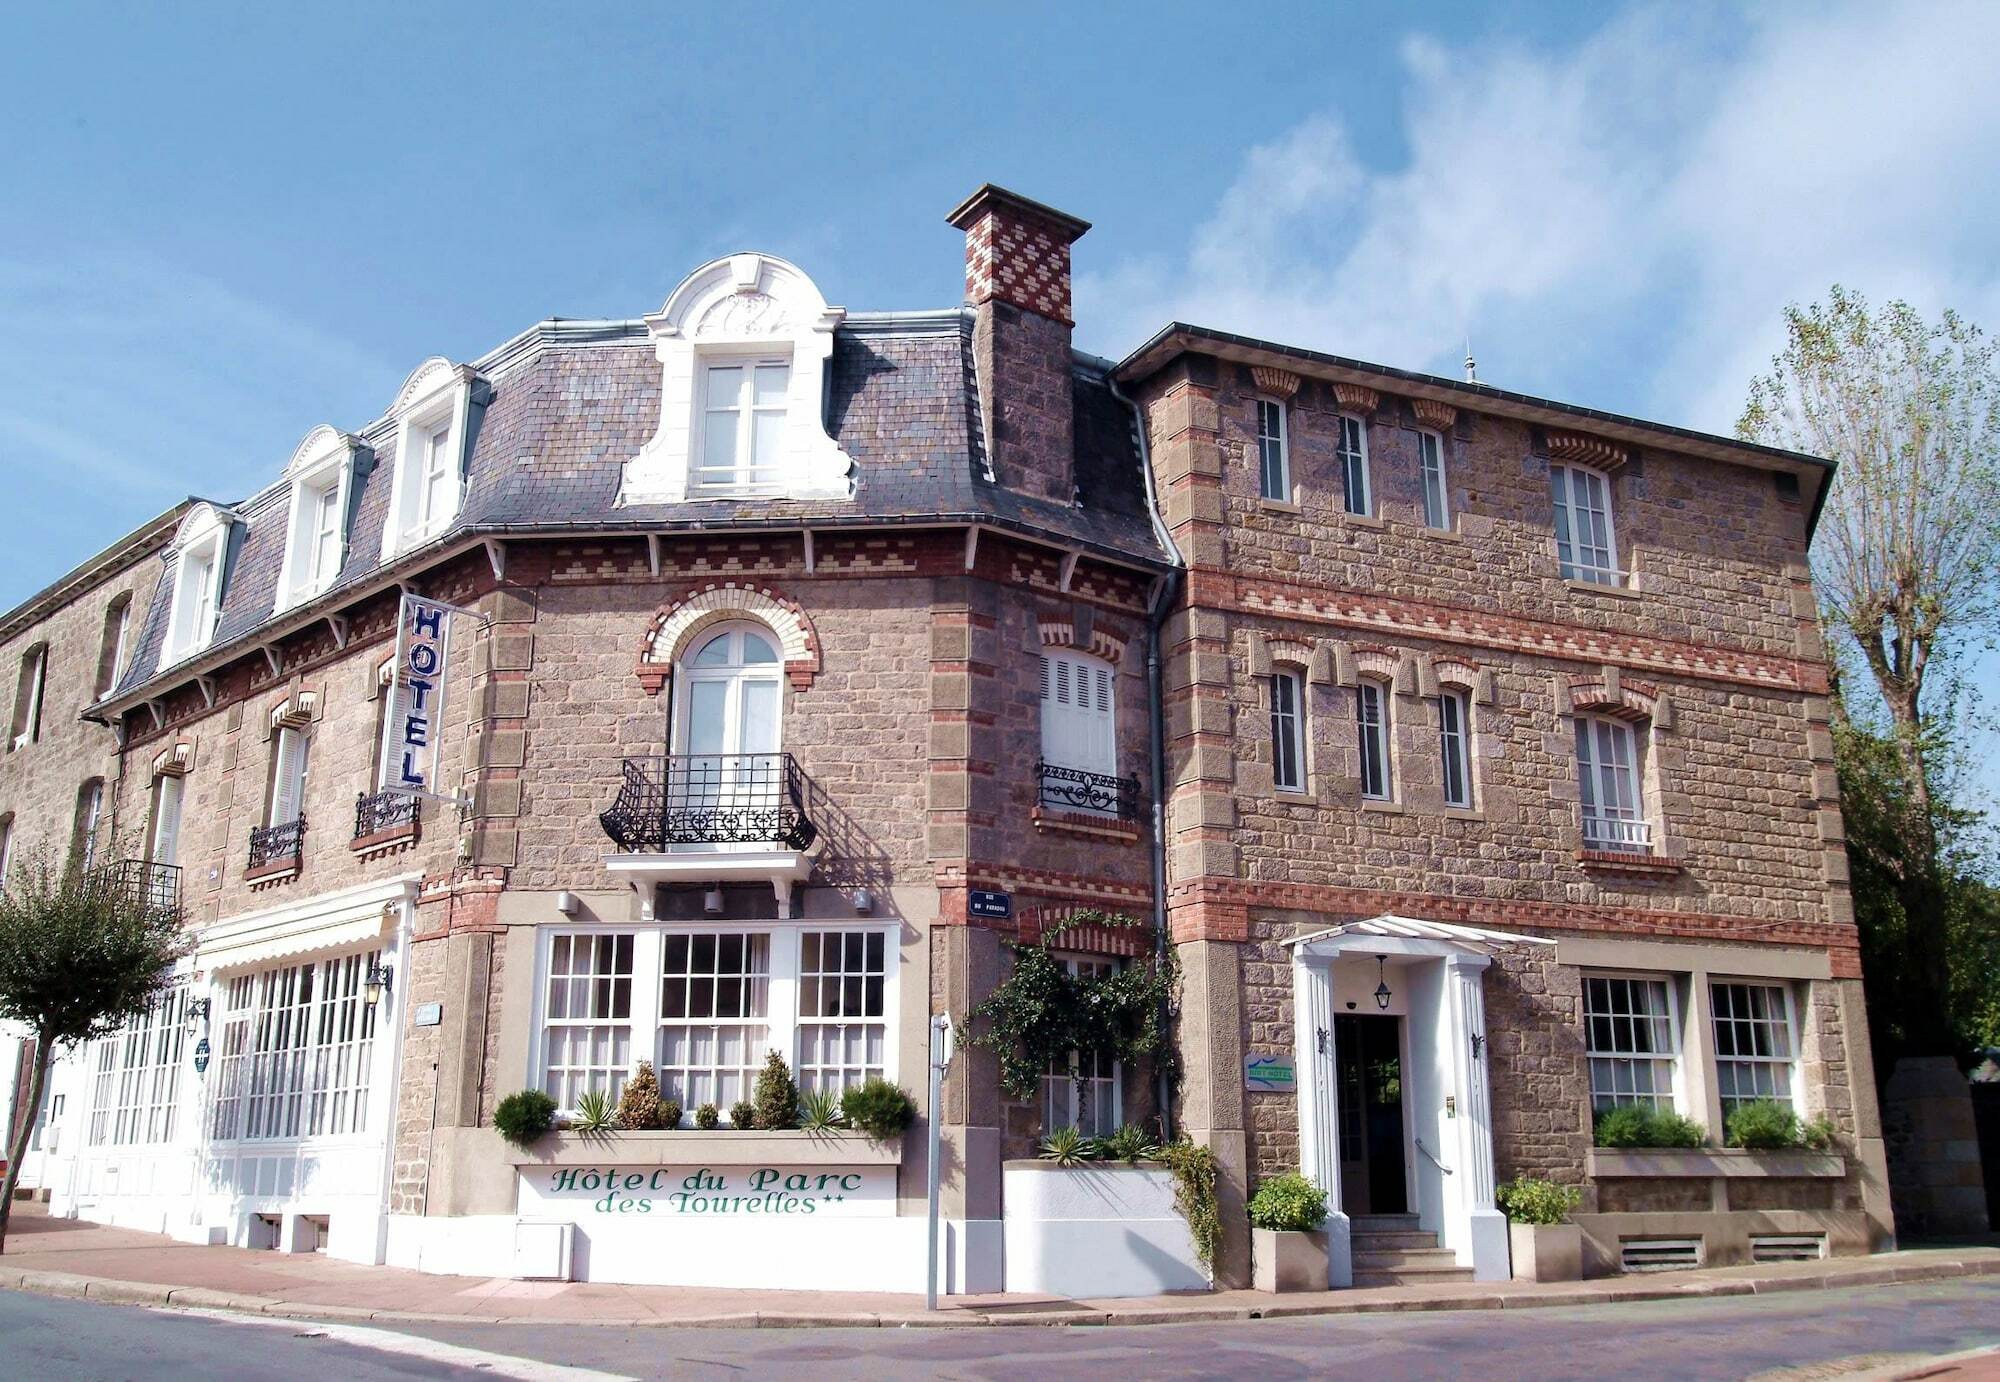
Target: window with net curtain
1630	1040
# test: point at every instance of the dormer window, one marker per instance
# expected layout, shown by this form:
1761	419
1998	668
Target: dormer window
201	554
433	414
322	476
743	346
743	424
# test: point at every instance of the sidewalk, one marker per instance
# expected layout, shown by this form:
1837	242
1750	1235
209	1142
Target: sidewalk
73	1258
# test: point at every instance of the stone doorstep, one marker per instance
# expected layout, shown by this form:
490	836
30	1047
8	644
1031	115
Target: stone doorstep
1484	1296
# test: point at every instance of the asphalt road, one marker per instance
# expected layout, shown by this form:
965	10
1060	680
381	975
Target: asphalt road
1815	1333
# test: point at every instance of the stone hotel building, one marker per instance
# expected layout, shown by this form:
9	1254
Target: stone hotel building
1469	751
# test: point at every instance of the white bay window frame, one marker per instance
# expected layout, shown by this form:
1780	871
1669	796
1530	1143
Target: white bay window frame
322	479
433	415
642	1030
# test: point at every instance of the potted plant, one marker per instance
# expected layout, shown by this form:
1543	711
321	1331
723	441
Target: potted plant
1546	1246
1287	1247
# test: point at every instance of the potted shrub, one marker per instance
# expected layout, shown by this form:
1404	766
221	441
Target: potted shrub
1545	1245
1636	1125
1287	1248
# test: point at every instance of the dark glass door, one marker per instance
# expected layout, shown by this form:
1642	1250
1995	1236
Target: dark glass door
1368	1050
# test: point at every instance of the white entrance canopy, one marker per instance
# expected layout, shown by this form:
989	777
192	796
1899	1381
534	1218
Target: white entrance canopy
1411	928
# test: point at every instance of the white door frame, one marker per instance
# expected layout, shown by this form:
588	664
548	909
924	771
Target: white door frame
1460	1112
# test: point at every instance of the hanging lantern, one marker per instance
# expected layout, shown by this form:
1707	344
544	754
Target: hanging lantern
1382	994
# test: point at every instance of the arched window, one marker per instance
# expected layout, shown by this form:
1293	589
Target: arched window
1288	729
111	650
1455	746
89	822
28	692
1371	719
728	703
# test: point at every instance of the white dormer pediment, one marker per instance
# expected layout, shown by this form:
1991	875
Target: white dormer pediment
321	474
737	313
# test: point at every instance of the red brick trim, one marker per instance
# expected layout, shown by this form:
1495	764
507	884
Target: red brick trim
1397	616
277	871
1613	861
1048	818
754	600
382	840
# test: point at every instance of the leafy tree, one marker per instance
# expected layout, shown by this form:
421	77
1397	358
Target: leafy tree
1905	553
81	952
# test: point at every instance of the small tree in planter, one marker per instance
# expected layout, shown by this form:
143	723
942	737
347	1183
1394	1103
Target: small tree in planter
1545	1245
1287	1250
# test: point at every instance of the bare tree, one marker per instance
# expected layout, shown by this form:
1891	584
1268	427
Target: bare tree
1904	559
81	952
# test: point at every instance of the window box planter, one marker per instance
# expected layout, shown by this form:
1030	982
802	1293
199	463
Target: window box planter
1281	1261
1546	1252
718	1148
1096	1231
1633	1163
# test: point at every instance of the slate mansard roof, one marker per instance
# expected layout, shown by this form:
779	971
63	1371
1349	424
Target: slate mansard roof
560	410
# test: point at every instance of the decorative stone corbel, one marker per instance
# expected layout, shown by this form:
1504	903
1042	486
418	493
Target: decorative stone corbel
1663	712
1482	687
1405	682
1587	450
1357	397
1319	671
1560	685
1432	413
1427	677
1280	383
1345	673
1612	687
1260	654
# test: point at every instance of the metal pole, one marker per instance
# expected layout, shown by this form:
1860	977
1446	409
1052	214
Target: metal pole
940	1057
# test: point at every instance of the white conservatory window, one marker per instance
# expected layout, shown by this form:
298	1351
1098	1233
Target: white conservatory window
321	472
433	415
202	551
163	837
1631	1037
136	1089
294	1052
1754	1044
727	996
743	345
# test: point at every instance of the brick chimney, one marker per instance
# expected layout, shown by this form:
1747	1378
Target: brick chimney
1017	283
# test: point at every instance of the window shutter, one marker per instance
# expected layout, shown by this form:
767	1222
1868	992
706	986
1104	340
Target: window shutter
1078	719
288	784
167	822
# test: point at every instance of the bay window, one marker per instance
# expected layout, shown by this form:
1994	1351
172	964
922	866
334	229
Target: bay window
1631	1040
1371	703
1586	546
1352	453
1607	766
1754	1045
726	995
1274	462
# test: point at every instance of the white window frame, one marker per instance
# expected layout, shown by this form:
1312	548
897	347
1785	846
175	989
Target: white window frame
121	609
1353	460
285	802
742	477
787	1026
167	788
1288	761
1577	560
89	821
1667	1100
291	1069
201	551
6	849
1083	688
1455	747
1274	448
1430	467
436	397
562	1081
1378	733
322	477
28	696
1611	794
686	1081
1065	1086
1784	1068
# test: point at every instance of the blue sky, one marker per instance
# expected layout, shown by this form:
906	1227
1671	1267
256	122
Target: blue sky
222	226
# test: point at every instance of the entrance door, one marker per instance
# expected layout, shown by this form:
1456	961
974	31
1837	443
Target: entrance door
1369	1051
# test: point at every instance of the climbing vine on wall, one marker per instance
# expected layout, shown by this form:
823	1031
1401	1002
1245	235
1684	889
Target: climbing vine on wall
1042	1012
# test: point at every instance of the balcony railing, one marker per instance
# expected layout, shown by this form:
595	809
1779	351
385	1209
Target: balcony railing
271	844
1617	834
159	884
383	812
710	799
1072	789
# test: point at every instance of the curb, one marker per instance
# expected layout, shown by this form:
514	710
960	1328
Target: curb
114	1292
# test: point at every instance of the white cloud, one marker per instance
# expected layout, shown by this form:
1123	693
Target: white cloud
1618	223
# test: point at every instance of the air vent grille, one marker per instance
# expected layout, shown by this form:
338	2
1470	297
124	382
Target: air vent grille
1787	1247
1659	1254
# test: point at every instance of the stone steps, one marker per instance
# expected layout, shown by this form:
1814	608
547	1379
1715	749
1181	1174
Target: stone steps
1390	1250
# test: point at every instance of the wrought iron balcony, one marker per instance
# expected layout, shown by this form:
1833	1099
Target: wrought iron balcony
272	844
1617	834
691	800
1072	789
383	812
159	884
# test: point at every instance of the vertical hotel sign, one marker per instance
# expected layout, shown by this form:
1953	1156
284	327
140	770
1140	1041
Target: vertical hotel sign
410	730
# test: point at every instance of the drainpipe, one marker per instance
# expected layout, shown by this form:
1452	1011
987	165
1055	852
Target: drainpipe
1156	619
